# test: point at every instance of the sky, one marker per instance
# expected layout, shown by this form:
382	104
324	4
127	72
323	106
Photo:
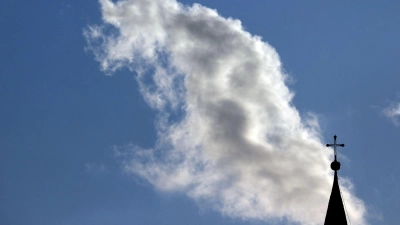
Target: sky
197	112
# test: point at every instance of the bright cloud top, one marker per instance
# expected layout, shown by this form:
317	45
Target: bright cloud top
239	144
393	113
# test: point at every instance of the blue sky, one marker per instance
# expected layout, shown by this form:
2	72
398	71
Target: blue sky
62	117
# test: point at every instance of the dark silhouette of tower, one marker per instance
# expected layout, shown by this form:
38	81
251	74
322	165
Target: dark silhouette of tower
335	215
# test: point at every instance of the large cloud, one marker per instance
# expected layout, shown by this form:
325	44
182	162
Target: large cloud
228	135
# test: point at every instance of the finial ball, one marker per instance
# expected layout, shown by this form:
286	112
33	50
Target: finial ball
335	165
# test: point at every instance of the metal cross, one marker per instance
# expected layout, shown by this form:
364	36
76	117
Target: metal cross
335	145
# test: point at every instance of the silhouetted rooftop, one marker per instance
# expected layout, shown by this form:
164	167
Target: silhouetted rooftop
335	215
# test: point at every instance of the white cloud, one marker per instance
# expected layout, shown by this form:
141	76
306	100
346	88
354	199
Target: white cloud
393	113
240	146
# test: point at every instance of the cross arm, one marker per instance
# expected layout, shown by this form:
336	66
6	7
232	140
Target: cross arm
329	145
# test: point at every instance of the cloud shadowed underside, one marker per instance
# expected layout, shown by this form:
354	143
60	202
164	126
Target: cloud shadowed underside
239	145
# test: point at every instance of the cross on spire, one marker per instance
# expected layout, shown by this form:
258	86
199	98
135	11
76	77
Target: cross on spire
335	165
334	145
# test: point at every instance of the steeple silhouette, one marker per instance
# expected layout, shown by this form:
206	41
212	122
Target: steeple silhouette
335	215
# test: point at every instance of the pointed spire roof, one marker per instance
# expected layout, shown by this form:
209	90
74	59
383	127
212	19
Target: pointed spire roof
335	215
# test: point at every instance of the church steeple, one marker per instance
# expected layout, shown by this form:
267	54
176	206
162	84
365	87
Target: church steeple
335	215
